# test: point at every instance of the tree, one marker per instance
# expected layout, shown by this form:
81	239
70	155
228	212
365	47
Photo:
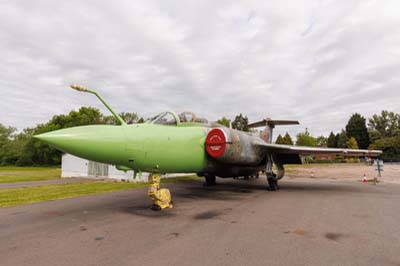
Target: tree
332	141
384	133
305	139
337	139
224	121
279	140
385	125
374	135
7	136
342	139
321	141
241	123
356	127
287	139
6	132
129	118
390	147
352	143
84	116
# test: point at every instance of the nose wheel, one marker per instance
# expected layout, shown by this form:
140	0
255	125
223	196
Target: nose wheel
161	197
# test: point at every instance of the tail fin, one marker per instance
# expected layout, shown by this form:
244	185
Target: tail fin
270	124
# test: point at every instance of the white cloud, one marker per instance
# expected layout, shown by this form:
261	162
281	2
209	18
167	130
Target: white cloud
315	61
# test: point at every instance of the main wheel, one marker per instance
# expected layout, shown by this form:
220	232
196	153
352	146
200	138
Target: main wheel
210	180
273	184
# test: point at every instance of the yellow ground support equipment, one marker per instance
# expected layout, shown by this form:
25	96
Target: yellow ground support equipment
161	197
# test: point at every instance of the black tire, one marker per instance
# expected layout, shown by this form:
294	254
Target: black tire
273	184
210	180
155	207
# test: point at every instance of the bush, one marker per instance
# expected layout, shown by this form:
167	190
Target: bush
390	148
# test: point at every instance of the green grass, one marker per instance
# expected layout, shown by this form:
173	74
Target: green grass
25	195
13	174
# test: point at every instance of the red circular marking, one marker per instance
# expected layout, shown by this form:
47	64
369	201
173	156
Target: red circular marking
216	142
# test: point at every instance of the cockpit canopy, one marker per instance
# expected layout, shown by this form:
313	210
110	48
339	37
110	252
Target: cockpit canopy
166	118
171	119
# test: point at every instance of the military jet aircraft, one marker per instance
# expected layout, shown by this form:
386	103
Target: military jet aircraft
171	143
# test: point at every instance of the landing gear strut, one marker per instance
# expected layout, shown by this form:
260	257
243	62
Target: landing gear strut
161	196
210	180
271	176
273	183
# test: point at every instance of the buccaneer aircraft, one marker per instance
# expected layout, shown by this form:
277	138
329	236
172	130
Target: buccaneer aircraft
171	143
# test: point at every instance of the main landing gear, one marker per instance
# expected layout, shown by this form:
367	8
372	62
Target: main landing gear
161	196
210	180
272	183
271	176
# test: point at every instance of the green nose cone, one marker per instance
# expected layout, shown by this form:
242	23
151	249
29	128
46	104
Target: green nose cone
57	138
98	143
69	140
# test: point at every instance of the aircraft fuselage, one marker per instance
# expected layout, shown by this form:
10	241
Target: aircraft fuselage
158	148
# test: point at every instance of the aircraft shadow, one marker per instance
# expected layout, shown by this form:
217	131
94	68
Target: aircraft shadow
237	189
145	211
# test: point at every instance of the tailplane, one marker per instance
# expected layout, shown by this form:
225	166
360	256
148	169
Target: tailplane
269	125
272	123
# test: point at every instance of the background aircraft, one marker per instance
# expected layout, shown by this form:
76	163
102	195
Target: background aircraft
171	143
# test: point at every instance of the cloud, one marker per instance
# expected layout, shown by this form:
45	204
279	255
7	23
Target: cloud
315	61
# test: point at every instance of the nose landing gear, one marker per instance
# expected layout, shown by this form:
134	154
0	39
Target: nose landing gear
161	196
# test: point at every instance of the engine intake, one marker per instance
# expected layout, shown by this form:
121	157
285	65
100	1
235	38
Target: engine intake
232	147
216	142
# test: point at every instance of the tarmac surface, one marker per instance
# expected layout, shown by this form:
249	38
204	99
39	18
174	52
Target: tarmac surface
238	222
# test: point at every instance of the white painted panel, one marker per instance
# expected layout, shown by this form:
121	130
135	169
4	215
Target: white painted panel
72	166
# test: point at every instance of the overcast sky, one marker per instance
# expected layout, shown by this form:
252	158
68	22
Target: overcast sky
315	61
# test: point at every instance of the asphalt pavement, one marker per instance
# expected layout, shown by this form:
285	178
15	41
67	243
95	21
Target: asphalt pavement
238	222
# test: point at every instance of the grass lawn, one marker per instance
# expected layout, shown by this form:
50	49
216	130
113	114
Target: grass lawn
25	195
13	174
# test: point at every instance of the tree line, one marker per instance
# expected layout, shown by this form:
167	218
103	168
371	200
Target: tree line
20	148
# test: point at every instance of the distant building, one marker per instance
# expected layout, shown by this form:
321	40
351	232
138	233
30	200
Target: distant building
319	157
72	166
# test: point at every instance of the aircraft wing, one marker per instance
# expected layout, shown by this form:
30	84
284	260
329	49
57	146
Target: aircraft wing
305	151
